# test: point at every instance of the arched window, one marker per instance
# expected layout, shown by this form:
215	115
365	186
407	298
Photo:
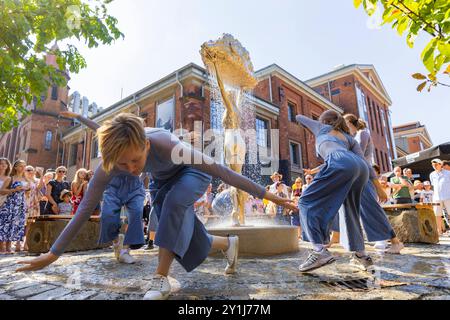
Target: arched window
54	92
48	140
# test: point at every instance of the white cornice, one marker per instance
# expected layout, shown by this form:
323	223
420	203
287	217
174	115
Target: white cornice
296	83
356	69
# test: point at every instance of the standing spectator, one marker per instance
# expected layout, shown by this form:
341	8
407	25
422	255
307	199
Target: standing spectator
402	187
42	190
276	178
308	178
446	165
13	212
32	196
79	186
297	188
426	196
418	188
65	206
281	215
5	169
54	189
440	180
409	174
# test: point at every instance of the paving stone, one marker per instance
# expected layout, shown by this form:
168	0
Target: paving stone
51	294
78	295
33	290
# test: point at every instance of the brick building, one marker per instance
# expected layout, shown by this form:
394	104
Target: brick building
184	97
36	140
358	89
411	138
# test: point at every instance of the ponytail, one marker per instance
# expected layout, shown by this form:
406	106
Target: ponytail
359	124
335	120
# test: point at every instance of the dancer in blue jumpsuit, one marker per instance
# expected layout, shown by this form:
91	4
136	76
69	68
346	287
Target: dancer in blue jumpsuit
373	217
340	182
181	175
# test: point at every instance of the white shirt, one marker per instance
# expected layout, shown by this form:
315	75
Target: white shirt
441	185
273	188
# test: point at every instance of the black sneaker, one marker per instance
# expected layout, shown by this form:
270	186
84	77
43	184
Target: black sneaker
150	245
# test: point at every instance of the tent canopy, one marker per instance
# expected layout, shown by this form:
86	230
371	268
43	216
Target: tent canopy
420	162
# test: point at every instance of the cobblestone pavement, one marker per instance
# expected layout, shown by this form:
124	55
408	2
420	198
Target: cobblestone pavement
421	272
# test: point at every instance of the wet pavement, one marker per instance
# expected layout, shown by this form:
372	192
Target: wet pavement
421	272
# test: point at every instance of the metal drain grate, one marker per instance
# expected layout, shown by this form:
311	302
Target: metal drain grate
362	284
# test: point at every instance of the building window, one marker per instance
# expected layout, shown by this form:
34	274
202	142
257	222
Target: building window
291	111
73	154
262	133
295	153
48	140
35	102
95	152
54	92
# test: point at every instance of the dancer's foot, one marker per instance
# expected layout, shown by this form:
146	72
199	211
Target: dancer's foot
159	288
381	245
232	255
118	246
362	262
125	257
316	259
395	248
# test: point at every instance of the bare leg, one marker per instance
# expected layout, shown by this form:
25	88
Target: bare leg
165	261
334	239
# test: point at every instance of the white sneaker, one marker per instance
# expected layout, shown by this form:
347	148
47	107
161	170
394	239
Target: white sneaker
381	245
159	288
316	260
126	258
232	255
118	246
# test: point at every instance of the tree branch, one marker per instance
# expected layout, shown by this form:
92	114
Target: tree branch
420	18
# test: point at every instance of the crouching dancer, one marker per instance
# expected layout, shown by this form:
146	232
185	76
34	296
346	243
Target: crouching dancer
181	175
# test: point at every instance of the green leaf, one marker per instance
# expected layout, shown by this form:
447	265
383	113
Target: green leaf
427	55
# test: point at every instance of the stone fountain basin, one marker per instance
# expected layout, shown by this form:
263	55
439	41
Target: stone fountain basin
261	240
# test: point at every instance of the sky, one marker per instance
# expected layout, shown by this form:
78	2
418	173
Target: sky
306	38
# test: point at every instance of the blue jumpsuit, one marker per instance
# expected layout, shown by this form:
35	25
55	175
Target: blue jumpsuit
339	182
373	217
123	190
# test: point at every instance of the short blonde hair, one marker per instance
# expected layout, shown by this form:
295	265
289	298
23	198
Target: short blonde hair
115	136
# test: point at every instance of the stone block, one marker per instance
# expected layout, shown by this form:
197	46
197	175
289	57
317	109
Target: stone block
414	225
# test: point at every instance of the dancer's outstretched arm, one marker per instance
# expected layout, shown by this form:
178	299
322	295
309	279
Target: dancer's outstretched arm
87	122
172	149
87	206
313	125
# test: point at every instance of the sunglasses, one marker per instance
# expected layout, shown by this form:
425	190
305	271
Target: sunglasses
29	170
61	171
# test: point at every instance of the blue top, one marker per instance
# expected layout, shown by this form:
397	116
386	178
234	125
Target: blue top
326	143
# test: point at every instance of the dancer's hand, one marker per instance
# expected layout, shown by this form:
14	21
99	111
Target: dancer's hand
68	114
285	202
382	196
37	263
